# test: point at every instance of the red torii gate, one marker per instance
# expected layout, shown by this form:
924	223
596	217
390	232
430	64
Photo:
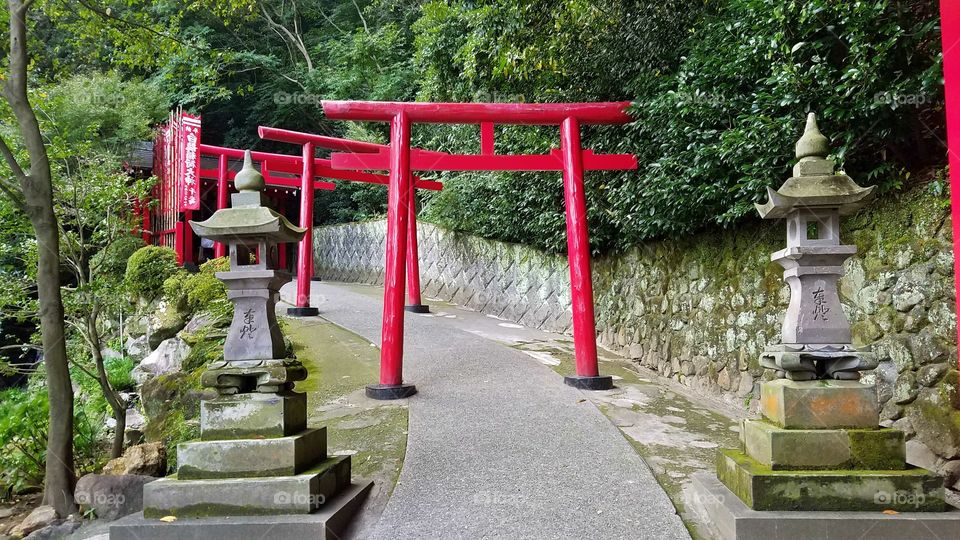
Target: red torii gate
309	170
950	33
269	163
401	160
309	141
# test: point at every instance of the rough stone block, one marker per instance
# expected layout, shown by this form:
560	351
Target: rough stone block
300	494
329	522
730	519
762	488
252	415
111	496
820	404
783	449
247	458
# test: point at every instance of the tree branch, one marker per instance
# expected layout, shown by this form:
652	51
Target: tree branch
10	158
109	16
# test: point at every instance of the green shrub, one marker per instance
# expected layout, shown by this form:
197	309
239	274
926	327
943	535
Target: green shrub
148	268
23	439
112	261
721	90
118	373
175	289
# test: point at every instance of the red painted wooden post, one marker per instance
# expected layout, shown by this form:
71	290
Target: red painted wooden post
223	197
178	242
305	247
391	347
950	32
188	255
578	254
414	303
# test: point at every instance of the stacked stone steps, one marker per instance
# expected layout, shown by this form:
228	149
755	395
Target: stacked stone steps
819	447
250	461
303	493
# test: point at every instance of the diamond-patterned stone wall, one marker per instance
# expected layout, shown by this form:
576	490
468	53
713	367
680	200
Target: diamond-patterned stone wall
511	281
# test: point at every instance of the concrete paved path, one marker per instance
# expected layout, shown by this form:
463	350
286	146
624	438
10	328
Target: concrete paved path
498	446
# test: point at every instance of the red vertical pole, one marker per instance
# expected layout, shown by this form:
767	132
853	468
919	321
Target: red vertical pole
398	199
414	303
305	247
146	226
578	253
178	242
188	255
950	32
223	196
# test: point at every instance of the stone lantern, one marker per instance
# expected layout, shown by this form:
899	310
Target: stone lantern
256	458
817	463
815	339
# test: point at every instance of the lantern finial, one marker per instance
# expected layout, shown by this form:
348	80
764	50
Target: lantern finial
249	179
812	143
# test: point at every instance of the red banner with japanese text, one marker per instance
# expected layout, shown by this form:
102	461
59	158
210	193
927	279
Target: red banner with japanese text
189	169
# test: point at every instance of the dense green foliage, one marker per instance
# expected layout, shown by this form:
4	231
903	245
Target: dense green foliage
23	427
148	268
720	90
716	118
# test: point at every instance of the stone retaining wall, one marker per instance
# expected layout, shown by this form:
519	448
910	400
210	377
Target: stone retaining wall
700	309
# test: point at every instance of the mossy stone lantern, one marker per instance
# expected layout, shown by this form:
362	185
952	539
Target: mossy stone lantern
816	339
254	354
256	457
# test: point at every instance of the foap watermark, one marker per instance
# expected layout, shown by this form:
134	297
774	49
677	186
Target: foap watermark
296	98
488	498
900	498
286	498
895	100
699	98
100	499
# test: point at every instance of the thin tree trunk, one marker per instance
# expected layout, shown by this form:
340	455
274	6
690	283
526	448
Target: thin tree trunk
117	404
37	190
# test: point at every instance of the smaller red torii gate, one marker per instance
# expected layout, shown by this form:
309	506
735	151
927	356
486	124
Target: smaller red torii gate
415	303
401	160
310	170
269	163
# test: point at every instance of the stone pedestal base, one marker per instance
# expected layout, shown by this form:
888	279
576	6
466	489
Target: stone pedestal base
819	447
733	520
253	415
328	523
761	488
249	458
820	404
255	458
796	449
602	382
299	494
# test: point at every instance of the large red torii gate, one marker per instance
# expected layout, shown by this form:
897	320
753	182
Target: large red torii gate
401	160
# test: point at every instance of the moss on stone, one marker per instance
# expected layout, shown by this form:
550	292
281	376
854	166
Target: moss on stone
171	403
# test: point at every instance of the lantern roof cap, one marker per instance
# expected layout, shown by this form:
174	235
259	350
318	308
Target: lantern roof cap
815	184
